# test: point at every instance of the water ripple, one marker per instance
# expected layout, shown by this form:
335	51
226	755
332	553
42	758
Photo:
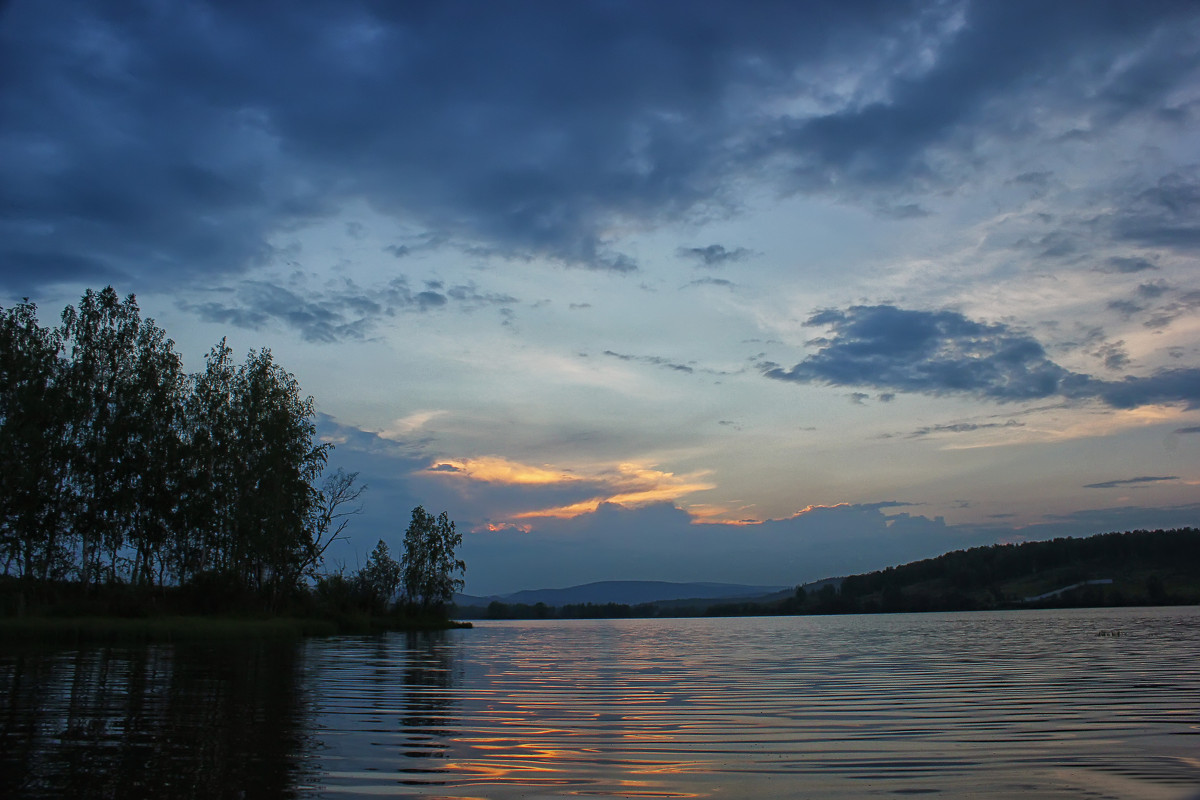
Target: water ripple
990	705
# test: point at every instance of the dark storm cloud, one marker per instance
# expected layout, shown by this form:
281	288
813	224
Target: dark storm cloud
334	314
944	352
714	255
24	271
1144	479
174	140
890	140
1189	429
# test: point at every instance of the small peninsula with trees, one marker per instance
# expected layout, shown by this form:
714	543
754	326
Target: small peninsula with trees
131	490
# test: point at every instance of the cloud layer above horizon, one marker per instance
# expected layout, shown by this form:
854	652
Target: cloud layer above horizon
685	268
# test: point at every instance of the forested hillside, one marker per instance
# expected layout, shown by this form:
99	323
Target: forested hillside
1145	567
1112	569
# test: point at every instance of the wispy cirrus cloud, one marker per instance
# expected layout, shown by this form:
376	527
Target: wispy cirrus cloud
657	361
665	363
964	427
408	426
1126	265
1142	480
714	255
334	313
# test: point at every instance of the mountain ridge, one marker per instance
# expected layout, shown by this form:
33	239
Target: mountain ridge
625	592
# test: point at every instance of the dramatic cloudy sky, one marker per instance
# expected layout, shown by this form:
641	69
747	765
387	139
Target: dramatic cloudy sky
754	292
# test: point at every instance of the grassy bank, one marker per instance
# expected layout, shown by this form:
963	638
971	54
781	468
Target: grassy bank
66	612
106	629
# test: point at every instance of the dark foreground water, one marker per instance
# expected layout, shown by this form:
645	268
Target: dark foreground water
1031	704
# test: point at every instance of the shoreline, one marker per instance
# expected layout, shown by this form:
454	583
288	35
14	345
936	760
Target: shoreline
35	629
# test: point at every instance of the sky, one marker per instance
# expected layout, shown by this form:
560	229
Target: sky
687	291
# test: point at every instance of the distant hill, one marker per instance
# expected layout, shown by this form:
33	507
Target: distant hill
1111	569
626	592
1132	568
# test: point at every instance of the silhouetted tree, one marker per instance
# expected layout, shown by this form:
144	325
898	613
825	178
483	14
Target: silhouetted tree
154	458
102	333
119	466
279	463
334	504
33	439
209	493
380	578
429	564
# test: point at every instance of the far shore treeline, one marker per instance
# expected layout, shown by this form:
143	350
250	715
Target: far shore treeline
1111	569
126	481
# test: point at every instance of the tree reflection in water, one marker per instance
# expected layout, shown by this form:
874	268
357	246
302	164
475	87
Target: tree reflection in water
151	721
428	680
383	712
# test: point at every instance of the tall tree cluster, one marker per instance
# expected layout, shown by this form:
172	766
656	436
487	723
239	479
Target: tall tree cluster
116	465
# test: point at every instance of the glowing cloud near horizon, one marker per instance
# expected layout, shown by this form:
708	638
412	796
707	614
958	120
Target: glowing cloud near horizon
627	484
632	486
494	469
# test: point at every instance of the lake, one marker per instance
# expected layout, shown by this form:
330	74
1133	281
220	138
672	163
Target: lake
1040	704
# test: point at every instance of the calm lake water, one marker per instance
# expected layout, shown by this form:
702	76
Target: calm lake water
1031	704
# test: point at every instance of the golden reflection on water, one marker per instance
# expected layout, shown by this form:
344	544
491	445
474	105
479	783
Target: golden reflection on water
1030	704
986	705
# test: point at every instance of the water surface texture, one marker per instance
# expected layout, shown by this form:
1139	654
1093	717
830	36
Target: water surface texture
1035	704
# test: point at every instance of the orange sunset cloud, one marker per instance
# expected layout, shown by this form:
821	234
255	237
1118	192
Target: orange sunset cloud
627	484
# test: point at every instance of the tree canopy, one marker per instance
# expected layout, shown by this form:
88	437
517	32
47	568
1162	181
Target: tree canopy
429	564
120	467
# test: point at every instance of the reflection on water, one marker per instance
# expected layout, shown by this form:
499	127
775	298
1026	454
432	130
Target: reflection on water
149	721
384	710
984	705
